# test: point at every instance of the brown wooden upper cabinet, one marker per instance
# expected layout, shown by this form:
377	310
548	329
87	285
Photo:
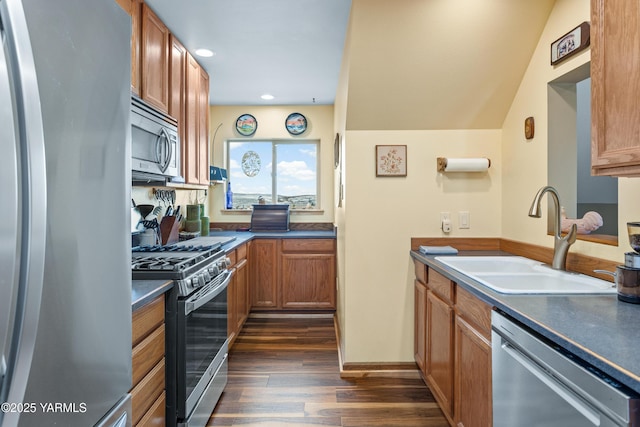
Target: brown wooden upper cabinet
155	60
196	144
167	77
615	87
134	9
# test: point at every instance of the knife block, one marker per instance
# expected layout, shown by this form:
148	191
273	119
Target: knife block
169	230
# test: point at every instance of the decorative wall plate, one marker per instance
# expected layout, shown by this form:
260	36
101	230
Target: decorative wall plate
296	123
246	125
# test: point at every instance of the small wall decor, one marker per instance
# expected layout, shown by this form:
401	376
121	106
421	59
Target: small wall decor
571	43
336	151
296	123
391	160
529	128
246	125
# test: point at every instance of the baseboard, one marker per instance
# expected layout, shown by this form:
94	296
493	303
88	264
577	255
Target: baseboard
289	315
373	369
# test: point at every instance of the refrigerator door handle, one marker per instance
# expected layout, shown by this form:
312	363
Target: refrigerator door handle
32	198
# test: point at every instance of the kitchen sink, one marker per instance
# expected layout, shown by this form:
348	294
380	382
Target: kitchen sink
519	275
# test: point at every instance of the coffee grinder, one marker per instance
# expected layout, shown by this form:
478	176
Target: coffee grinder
628	275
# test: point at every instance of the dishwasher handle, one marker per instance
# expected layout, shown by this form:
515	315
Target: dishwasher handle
560	389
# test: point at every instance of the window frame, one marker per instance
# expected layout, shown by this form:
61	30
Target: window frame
274	177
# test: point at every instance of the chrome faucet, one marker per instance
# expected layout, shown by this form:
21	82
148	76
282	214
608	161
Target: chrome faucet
560	244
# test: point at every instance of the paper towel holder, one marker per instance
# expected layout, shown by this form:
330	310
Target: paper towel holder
443	161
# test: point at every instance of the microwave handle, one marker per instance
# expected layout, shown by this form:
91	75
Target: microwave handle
163	146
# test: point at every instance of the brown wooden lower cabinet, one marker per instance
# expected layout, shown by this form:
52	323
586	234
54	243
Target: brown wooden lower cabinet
420	336
293	274
148	373
306	281
264	273
238	293
472	407
440	351
453	348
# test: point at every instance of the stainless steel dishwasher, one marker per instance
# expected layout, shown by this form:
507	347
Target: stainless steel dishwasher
536	383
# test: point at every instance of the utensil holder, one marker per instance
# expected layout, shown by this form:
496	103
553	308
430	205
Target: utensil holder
169	230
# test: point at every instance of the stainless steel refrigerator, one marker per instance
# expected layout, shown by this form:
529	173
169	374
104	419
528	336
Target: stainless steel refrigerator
65	280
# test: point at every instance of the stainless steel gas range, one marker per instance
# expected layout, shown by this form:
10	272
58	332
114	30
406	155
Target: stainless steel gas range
196	325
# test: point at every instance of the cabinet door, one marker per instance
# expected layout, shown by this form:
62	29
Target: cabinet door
420	328
177	90
136	46
155	60
242	294
134	9
203	127
615	87
308	281
473	404
440	351
232	307
264	273
190	152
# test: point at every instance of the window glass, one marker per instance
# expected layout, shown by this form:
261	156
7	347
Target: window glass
273	172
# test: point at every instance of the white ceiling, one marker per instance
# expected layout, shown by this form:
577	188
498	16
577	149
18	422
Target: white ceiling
291	49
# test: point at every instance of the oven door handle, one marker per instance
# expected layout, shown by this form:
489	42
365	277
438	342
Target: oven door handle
191	306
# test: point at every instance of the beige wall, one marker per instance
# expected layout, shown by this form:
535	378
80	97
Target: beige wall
383	214
271	126
525	162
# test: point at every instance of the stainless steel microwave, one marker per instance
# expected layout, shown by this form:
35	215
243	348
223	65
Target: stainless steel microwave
155	148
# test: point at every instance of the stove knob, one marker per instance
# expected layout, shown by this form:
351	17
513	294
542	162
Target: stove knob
214	270
207	276
201	281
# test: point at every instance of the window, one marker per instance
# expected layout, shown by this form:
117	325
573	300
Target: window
274	171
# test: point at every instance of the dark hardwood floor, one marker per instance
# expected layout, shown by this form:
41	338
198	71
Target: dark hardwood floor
284	372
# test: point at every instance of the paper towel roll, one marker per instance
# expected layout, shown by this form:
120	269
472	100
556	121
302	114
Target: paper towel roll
463	165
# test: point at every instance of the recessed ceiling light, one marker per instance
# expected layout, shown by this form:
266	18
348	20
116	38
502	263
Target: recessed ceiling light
267	97
205	53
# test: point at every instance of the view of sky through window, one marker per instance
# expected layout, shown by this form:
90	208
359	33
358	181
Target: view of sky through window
274	171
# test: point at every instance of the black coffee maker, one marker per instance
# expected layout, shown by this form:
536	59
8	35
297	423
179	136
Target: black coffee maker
628	275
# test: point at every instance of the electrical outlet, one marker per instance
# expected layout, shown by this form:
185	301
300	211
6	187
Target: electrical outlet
445	221
463	219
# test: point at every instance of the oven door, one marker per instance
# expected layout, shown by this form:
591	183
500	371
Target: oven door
201	342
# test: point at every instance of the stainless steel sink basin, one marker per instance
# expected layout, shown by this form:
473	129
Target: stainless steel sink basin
519	275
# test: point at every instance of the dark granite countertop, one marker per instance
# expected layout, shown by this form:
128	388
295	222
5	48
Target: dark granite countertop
241	237
144	291
597	328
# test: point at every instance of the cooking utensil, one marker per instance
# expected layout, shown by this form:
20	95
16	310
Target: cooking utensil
145	210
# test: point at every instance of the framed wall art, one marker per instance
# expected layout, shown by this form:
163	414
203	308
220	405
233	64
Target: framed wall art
571	43
391	160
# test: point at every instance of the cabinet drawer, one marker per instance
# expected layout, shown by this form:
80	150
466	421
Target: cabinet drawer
308	245
146	319
241	252
156	415
420	271
474	310
147	354
440	285
144	395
